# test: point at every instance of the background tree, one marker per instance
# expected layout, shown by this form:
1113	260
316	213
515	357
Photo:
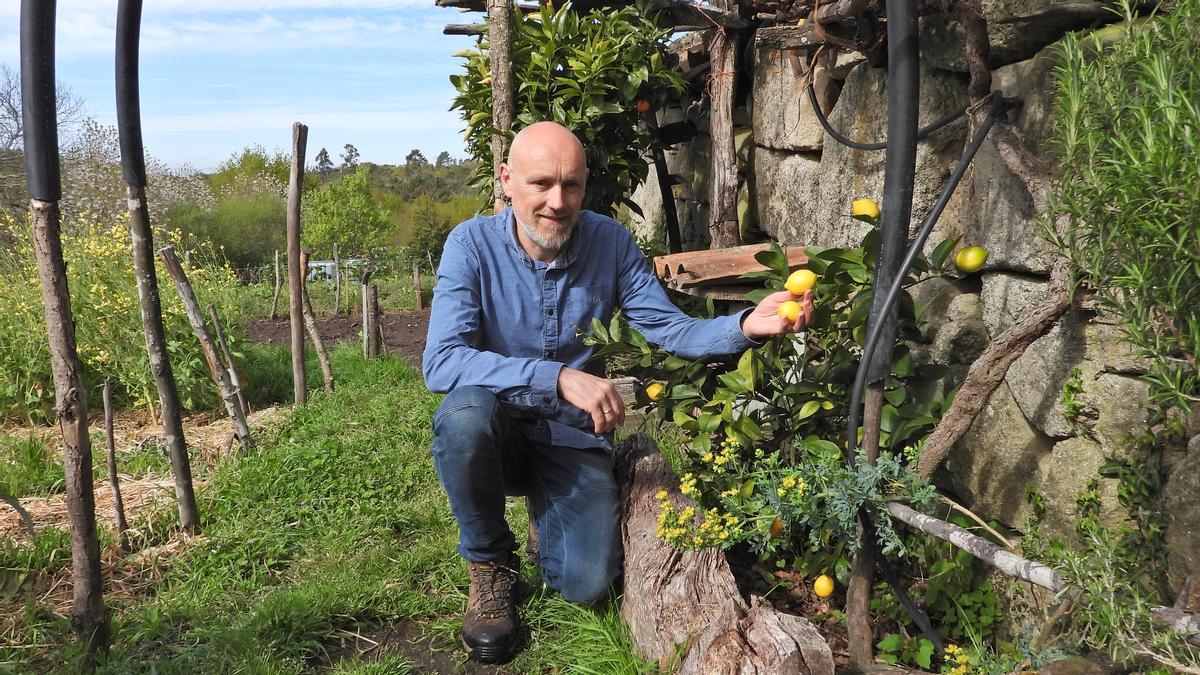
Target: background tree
344	212
12	134
415	158
443	159
323	163
349	156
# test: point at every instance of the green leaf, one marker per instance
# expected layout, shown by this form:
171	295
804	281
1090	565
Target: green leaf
807	410
748	368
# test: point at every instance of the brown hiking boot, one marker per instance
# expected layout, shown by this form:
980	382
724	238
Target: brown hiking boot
489	627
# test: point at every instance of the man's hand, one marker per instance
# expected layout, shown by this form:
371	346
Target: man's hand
764	320
594	395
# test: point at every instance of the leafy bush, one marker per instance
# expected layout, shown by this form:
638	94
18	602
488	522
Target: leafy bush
343	212
585	72
108	326
1130	190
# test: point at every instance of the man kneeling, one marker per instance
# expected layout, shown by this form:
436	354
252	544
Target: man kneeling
526	412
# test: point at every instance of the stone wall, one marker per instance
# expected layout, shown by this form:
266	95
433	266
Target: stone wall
1025	458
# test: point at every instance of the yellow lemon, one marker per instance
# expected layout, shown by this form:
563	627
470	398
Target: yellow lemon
800	281
864	209
970	259
655	391
789	310
823	586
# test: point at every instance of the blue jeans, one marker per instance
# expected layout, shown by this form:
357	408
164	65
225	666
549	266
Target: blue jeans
483	453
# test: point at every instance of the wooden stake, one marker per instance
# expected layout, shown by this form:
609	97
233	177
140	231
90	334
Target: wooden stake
141	238
337	282
88	612
860	635
420	303
113	479
310	323
295	273
722	201
278	287
499	21
192	307
235	375
371	321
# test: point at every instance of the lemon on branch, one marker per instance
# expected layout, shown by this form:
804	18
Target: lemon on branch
970	259
864	209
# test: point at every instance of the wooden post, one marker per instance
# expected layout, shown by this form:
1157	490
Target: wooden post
371	320
366	327
88	613
113	480
310	323
278	287
722	200
43	182
337	282
295	272
420	303
235	376
499	21
196	319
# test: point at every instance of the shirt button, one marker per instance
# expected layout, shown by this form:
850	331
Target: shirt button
549	312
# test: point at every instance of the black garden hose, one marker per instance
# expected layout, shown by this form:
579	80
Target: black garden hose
922	133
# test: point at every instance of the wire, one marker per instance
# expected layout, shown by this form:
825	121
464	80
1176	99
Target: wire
921	133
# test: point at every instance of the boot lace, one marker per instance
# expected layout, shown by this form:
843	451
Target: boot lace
497	584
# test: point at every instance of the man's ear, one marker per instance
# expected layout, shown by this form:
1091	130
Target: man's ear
506	179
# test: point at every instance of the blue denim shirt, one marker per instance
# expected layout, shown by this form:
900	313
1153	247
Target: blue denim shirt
506	322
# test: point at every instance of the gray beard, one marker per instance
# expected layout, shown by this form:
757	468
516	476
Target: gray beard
552	243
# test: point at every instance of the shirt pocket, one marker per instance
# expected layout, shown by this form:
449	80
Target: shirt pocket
585	303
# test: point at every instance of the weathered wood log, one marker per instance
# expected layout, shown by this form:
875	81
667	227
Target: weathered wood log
499	25
114	481
235	376
683	608
278	287
141	239
295	273
722	201
788	37
207	347
464	29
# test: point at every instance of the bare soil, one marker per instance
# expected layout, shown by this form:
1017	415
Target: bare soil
403	332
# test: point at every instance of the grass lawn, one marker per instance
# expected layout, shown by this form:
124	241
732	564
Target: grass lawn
329	548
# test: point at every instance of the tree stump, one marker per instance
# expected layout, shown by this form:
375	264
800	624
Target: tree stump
683	608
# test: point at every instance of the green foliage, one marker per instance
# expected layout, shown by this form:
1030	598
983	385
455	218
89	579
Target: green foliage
585	71
253	162
343	212
765	433
1126	133
108	327
29	467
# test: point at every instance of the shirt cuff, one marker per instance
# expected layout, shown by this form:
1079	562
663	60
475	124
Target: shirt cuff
545	384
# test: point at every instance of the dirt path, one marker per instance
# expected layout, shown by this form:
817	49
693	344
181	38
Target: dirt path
403	332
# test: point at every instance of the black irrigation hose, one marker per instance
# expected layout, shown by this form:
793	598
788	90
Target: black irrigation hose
921	133
913	250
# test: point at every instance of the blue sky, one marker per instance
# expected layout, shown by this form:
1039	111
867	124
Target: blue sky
219	75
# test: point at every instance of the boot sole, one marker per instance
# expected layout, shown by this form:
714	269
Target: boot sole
489	654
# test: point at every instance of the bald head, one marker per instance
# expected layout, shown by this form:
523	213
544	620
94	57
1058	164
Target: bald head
542	138
545	176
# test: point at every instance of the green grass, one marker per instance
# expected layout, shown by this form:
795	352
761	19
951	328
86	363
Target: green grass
335	525
29	468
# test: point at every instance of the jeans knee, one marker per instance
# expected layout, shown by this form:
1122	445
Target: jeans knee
465	417
587	584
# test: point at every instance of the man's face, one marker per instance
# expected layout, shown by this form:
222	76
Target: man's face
546	183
